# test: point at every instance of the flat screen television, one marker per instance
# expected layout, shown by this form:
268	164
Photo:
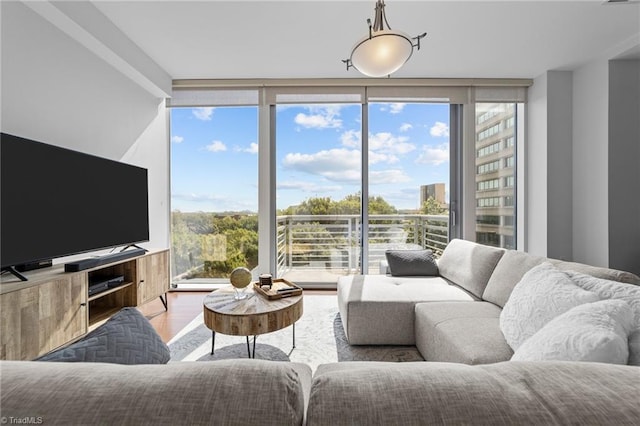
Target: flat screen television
57	202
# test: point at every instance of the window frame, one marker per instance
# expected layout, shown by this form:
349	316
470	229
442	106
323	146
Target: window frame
461	94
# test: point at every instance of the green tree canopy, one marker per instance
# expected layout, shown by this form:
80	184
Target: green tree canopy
432	207
315	206
348	205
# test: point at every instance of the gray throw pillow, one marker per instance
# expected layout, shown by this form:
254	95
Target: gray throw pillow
126	338
411	263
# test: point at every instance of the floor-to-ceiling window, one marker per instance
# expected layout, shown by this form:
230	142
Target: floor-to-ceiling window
408	178
214	195
318	177
331	176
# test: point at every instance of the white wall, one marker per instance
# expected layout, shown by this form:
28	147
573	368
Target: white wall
549	166
152	152
536	169
56	91
590	168
578	192
559	165
624	165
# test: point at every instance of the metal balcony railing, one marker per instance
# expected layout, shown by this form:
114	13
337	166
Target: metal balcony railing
331	242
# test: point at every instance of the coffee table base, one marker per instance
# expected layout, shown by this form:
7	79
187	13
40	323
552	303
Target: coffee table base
213	342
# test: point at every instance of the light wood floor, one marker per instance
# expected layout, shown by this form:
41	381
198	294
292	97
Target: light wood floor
184	306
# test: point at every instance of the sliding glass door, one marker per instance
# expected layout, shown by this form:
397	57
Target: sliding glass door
408	178
323	192
318	177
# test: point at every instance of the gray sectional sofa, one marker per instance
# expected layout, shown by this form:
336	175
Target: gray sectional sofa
452	317
250	392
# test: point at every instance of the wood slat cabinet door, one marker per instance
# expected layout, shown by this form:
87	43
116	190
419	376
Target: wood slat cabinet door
153	276
38	319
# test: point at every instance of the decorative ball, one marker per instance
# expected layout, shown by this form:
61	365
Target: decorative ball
240	277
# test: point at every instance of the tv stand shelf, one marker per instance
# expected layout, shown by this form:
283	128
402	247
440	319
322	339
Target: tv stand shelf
54	308
111	290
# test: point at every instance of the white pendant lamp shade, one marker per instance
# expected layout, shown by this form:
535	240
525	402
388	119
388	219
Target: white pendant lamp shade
383	51
382	54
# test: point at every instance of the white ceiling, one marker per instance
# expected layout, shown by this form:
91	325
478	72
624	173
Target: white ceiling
308	39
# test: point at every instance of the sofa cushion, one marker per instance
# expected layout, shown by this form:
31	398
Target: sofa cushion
508	272
507	393
225	392
411	263
514	264
543	293
614	290
464	332
596	332
469	264
126	338
597	272
379	309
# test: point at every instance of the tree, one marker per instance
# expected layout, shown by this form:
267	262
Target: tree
378	205
349	204
433	207
315	206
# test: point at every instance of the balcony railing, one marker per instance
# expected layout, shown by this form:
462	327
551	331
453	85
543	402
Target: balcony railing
311	249
331	242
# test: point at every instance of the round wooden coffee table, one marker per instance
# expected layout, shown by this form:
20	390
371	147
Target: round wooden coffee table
251	316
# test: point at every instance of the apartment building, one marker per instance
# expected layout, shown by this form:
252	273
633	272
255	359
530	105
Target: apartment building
495	174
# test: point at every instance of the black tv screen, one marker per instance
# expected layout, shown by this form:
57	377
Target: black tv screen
57	202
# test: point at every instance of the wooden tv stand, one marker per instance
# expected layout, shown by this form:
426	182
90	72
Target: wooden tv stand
54	308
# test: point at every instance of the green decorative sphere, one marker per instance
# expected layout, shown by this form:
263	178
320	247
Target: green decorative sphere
240	277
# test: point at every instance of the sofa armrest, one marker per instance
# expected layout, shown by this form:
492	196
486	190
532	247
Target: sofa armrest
242	391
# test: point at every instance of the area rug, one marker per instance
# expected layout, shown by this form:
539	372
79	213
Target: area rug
319	339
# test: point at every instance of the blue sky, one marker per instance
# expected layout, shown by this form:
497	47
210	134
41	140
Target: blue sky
214	154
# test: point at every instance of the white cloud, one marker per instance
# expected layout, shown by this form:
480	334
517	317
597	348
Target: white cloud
390	144
337	165
351	138
216	146
405	127
396	108
439	129
177	139
198	198
253	148
325	117
376	157
403	194
209	202
203	113
384	147
393	108
307	187
434	155
379	144
388	176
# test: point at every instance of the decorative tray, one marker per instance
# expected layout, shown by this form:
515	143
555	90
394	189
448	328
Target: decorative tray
279	289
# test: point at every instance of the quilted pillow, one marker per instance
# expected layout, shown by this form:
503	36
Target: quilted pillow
126	338
614	290
542	294
411	263
594	332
